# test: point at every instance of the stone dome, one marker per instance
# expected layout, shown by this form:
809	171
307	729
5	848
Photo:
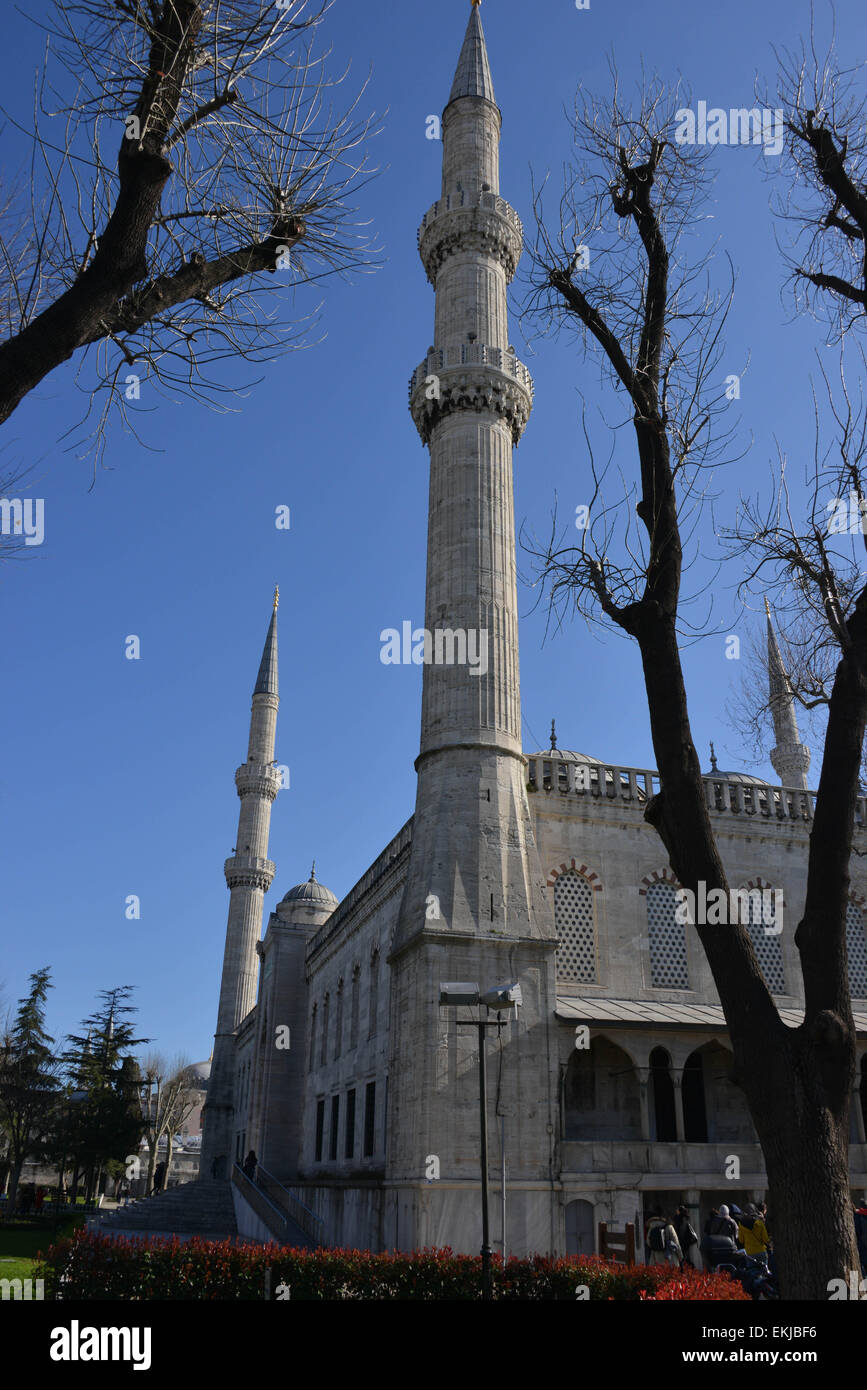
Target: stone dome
564	755
745	778
311	894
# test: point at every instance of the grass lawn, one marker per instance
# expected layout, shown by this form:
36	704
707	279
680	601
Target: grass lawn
16	1269
22	1239
20	1242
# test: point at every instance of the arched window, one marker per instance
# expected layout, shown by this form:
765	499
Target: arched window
323	1055
574	923
856	949
338	1021
764	930
668	964
662	1092
600	1094
694	1107
373	1001
313	1037
353	1007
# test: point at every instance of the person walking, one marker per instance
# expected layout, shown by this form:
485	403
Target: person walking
688	1238
723	1225
250	1164
861	1234
753	1233
159	1178
662	1241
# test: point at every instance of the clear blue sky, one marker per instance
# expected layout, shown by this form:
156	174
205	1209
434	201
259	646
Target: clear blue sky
117	775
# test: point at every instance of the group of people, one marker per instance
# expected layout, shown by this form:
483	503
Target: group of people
676	1242
30	1198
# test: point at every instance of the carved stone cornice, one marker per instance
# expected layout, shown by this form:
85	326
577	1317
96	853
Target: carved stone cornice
258	779
487	231
469	386
248	871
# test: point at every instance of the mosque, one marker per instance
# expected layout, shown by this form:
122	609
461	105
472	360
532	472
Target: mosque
609	1088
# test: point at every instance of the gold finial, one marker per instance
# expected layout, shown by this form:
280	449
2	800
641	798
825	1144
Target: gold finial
475	3
276	596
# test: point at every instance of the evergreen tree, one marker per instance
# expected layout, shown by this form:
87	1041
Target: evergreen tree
28	1077
104	1114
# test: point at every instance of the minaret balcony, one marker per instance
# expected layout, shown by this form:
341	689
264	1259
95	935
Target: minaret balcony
258	779
249	871
470	376
484	223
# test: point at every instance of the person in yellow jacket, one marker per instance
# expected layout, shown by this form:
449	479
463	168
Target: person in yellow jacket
753	1233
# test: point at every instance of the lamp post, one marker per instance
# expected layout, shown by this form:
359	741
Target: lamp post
501	997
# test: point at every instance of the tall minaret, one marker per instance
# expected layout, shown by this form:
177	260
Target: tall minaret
474	901
248	874
790	758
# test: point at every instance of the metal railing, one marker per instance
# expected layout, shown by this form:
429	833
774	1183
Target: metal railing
286	1204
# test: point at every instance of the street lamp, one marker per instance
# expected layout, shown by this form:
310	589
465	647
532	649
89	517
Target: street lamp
501	997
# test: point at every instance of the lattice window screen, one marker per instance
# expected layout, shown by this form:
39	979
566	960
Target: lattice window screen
766	945
668	967
856	947
575	926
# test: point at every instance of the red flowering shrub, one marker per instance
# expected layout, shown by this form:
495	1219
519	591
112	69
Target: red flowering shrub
93	1267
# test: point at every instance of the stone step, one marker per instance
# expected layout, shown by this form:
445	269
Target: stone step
194	1208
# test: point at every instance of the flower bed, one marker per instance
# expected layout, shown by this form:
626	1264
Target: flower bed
94	1267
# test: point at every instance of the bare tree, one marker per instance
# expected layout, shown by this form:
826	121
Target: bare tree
168	1097
808	554
824	197
197	151
797	1081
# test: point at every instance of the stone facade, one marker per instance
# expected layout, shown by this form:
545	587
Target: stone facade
609	1088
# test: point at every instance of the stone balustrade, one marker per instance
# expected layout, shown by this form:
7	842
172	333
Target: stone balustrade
723	796
249	870
492	201
471	354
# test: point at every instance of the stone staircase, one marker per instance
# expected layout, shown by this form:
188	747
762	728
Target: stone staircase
203	1209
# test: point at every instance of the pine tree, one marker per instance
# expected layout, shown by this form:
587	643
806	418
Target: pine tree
104	1120
28	1077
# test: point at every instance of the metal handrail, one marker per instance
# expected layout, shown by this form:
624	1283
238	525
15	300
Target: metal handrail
303	1217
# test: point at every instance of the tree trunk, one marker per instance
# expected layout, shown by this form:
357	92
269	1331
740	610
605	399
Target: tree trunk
806	1149
797	1082
14	1178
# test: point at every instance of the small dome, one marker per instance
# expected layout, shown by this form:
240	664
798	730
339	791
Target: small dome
745	778
202	1070
311	893
564	755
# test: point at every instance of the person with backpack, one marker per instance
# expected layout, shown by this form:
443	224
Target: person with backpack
723	1225
688	1239
662	1241
720	1240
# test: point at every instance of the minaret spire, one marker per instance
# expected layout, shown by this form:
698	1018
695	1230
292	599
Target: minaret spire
473	75
249	873
790	758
